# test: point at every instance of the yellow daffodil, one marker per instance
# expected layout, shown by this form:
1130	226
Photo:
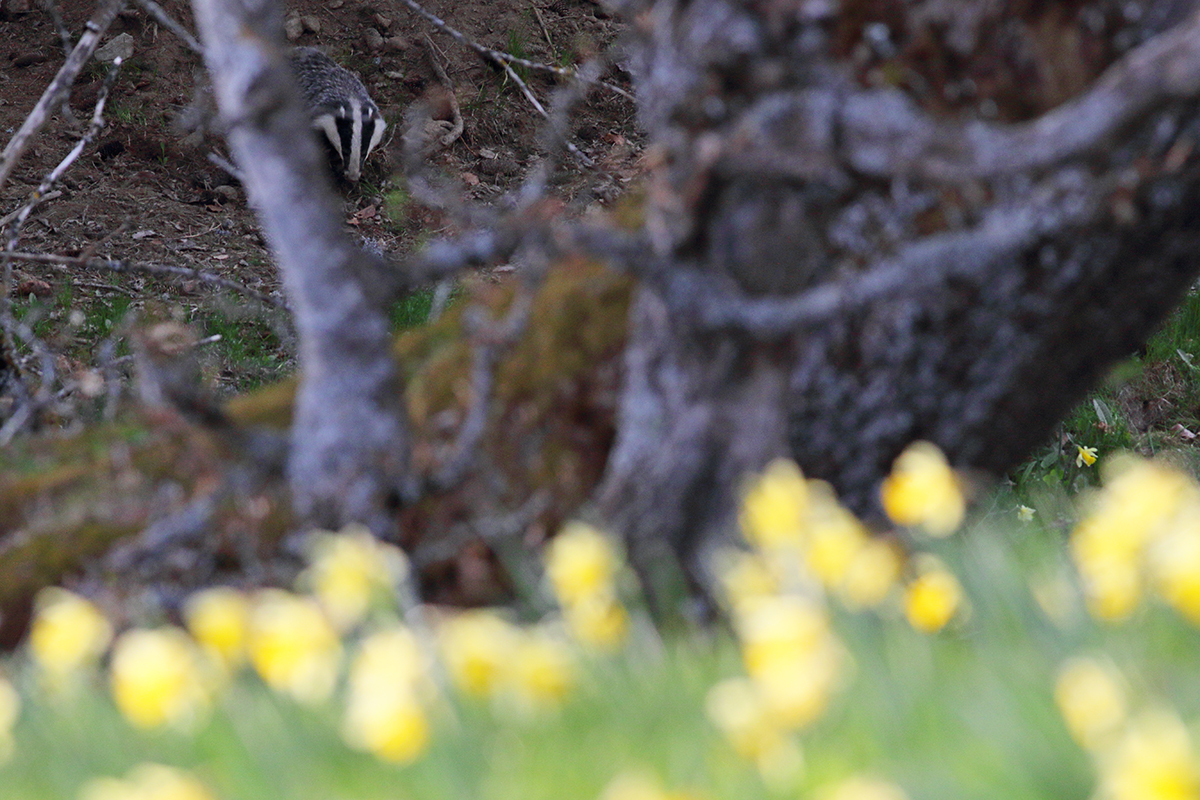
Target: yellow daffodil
791	653
293	646
635	786
600	623
745	577
870	575
739	711
385	704
581	563
158	678
542	671
1153	760
1085	456
1091	700
147	782
10	709
348	570
1174	561
932	599
774	506
477	648
68	632
862	788
1025	513
219	620
835	538
923	491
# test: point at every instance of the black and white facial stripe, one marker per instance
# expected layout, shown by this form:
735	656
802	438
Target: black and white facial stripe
354	130
340	107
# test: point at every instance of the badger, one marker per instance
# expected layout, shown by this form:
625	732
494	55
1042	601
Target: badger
340	107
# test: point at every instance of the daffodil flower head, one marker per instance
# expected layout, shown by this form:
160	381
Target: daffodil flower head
774	507
1174	563
147	782
219	619
600	623
870	575
387	691
1153	760
68	633
1091	698
10	709
745	576
477	648
1025	513
158	677
738	709
293	646
542	672
835	537
637	786
348	570
582	563
933	597
923	491
1085	456
864	788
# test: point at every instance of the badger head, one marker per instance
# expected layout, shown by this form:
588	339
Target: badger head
353	129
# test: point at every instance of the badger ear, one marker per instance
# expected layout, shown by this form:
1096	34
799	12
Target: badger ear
327	124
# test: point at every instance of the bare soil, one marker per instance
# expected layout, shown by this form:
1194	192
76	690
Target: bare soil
146	192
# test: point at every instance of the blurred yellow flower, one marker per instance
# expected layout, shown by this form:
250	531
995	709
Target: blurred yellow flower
600	623
635	786
739	711
1174	561
477	648
745	577
219	619
1152	761
542	671
68	632
923	490
870	575
1025	513
792	655
932	599
388	686
861	788
581	563
836	537
158	678
293	646
10	709
147	782
348	570
1091	700
774	506
1086	455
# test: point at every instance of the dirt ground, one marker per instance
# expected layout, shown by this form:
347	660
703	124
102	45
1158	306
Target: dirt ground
146	192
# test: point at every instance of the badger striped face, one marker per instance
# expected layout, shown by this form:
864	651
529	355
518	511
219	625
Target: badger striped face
353	129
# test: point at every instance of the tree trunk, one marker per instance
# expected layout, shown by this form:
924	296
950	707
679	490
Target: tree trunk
350	445
838	272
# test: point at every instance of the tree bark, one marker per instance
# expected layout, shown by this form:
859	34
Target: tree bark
350	447
798	300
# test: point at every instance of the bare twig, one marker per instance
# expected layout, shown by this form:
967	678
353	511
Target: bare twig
499	56
456	131
59	87
167	21
226	165
537	12
10	216
69	263
64	34
884	134
492	339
